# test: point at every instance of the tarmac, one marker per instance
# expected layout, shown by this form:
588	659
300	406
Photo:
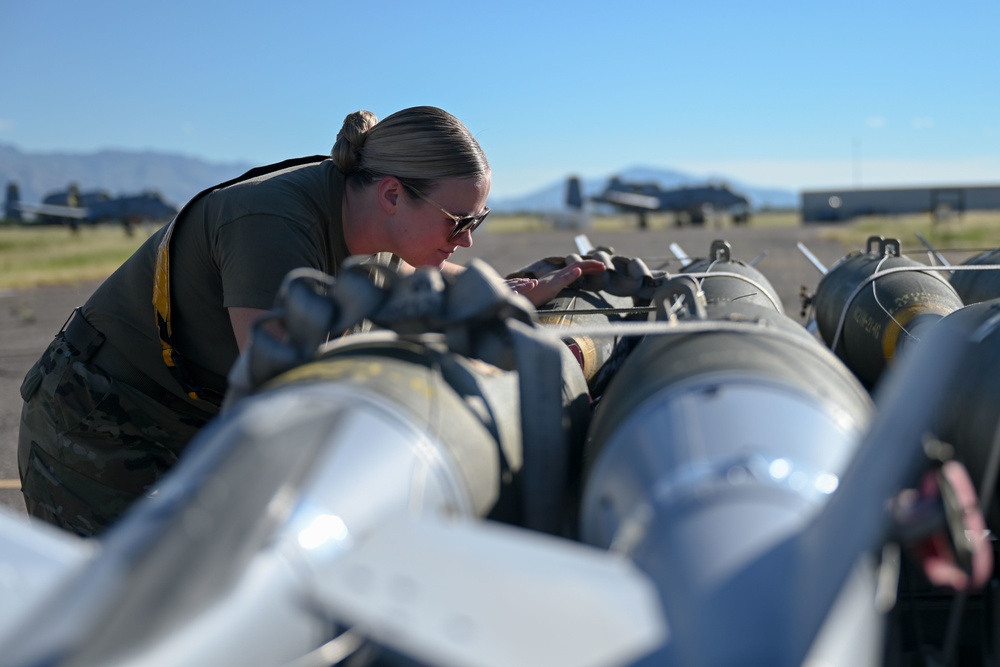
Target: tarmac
30	318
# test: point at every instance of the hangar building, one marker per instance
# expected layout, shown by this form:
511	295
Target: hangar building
836	205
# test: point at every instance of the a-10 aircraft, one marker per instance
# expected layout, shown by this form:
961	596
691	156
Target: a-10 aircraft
71	207
691	204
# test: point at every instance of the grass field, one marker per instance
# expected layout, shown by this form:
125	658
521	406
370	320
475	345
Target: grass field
32	256
971	230
50	255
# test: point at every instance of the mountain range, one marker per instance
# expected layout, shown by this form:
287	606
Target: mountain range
120	172
553	197
179	177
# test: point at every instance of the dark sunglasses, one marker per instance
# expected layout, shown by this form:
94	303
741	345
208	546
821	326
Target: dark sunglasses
463	224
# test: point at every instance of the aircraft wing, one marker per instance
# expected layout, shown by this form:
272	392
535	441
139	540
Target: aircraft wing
54	210
633	199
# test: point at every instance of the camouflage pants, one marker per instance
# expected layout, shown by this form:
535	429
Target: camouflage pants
90	445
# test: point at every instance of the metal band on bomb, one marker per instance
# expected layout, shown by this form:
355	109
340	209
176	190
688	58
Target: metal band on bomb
865	327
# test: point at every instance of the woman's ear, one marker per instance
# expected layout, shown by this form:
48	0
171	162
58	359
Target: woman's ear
390	189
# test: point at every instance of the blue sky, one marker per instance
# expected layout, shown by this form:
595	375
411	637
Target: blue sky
793	94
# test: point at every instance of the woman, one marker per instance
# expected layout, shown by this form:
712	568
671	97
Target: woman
141	367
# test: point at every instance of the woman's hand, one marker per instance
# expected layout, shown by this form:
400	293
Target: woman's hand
542	290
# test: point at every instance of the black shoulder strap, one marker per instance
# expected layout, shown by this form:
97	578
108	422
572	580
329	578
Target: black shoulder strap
255	172
161	279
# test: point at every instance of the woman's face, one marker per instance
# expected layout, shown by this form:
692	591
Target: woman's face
423	230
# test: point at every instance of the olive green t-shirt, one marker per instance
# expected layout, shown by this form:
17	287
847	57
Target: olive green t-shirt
231	248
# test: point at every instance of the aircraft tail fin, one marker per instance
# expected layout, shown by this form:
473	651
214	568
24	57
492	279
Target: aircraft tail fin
574	193
12	205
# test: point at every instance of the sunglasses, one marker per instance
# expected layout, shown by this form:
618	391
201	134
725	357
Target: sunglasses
467	223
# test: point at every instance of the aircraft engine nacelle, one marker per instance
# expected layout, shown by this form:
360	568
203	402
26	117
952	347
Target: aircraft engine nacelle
869	304
710	448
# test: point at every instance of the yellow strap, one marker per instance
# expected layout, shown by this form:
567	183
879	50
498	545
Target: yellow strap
161	294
